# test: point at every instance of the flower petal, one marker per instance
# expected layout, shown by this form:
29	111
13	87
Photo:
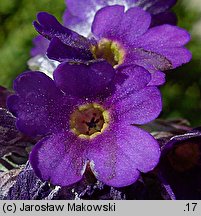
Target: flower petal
59	159
133	99
147	59
177	56
49	27
167	41
113	23
62	52
38	104
43	64
128	81
80	13
84	80
81	8
121	152
157	78
70	20
40	46
139	107
164	36
153	62
74	23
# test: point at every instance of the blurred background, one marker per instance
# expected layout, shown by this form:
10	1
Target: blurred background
181	93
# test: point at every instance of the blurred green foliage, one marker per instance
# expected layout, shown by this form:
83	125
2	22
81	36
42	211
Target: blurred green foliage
181	93
17	32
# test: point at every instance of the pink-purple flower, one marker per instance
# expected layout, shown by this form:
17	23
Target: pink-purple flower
79	14
88	116
40	46
123	38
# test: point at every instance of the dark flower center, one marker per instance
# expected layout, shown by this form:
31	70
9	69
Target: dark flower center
184	157
89	120
109	50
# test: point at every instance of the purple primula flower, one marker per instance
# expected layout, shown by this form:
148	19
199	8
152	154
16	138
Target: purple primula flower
122	38
40	46
180	167
85	115
79	14
156	49
39	60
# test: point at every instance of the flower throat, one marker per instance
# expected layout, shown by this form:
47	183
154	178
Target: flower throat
89	120
109	50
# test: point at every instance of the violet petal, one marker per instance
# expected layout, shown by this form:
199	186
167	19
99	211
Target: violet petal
113	23
38	104
167	41
119	155
84	80
40	46
62	52
59	159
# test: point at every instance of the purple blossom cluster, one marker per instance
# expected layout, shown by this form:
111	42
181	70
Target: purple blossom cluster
112	57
